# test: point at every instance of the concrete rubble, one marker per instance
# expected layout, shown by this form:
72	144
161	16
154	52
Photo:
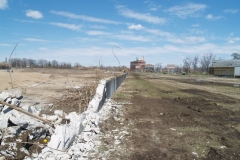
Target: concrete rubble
71	140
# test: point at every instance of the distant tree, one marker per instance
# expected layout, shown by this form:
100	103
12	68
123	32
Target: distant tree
158	67
178	69
31	62
235	56
24	62
206	61
49	64
54	64
195	61
77	65
187	64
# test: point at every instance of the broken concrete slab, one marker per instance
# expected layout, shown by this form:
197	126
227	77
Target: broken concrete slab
23	120
60	113
11	131
50	117
12	93
15	102
31	109
63	137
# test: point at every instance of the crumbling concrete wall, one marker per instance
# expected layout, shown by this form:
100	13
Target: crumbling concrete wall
71	140
76	139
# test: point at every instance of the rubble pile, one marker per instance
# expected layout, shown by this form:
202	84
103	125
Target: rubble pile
69	136
19	132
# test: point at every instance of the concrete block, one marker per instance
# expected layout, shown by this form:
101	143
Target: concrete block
15	102
50	117
23	120
1	107
62	138
13	93
60	113
76	121
4	96
11	131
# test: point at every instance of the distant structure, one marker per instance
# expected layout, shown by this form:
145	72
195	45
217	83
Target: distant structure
138	65
170	68
149	68
227	68
4	65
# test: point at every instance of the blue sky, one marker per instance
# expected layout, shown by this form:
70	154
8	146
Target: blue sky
85	31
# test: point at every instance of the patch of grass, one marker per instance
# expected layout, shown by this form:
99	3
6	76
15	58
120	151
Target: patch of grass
202	143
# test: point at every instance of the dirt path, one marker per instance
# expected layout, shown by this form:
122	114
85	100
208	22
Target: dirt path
169	121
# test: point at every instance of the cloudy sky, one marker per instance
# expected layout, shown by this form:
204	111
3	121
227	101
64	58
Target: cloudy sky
164	31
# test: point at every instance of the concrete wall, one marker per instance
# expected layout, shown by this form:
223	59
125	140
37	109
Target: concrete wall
105	89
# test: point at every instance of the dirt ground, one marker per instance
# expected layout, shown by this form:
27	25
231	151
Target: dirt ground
42	87
173	117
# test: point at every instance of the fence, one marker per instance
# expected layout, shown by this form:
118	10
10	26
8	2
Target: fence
105	89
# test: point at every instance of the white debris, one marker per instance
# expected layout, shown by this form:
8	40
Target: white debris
63	137
50	117
76	87
60	113
194	153
12	93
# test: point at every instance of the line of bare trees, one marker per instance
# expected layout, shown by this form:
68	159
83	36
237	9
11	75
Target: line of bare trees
196	64
41	63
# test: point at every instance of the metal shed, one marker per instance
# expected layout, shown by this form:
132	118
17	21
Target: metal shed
227	68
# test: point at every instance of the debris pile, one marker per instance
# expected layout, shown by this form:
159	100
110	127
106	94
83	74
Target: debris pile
25	135
18	131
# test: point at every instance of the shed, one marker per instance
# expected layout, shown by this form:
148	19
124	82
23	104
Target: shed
227	68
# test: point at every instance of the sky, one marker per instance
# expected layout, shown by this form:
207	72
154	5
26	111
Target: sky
87	32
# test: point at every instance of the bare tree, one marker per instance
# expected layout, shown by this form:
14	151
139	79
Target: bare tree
206	61
54	64
24	62
195	61
187	64
158	67
31	62
178	69
235	56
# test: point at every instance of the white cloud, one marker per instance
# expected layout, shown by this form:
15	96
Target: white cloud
186	39
211	17
97	27
136	27
189	10
97	33
195	25
83	17
233	11
5	44
66	25
34	14
3	4
34	40
113	43
140	16
133	38
152	6
233	39
42	49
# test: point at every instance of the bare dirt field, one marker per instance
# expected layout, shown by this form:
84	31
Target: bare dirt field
42	87
173	117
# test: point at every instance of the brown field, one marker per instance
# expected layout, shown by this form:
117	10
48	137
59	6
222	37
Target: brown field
173	117
42	87
162	116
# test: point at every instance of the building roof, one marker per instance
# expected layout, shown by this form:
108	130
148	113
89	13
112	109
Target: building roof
226	63
171	66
